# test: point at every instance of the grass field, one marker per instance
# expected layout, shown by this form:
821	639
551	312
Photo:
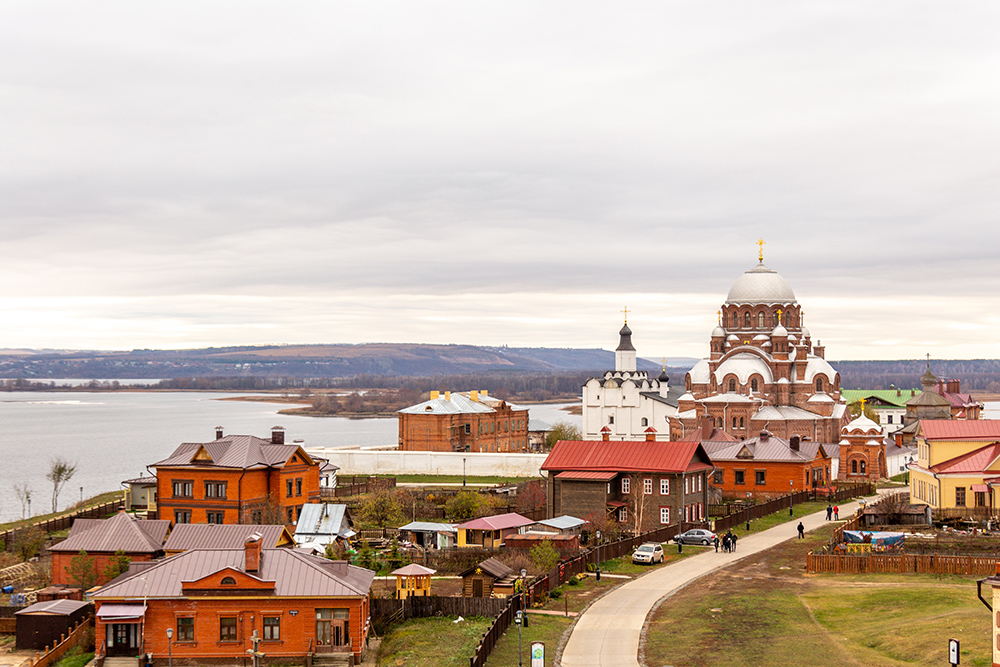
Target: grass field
432	642
767	611
431	480
548	629
89	502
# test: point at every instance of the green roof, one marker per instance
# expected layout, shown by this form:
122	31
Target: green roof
882	395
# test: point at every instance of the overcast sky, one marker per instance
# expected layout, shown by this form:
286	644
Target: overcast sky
188	174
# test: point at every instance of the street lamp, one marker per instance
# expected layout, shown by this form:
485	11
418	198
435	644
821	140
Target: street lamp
517	620
524	576
598	536
463	471
170	646
790	492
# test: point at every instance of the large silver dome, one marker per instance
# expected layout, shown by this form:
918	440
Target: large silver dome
760	285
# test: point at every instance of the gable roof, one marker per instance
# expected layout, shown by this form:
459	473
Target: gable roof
294	574
717	434
187	536
960	429
627	456
122	532
894	397
492	567
496	522
323	519
976	461
771	448
234	451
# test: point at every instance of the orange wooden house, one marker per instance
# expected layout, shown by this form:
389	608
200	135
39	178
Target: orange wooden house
216	602
236	479
769	466
101	539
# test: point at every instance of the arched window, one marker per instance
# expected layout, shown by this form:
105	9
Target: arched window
854	467
732	385
734	422
719	422
228	581
819	384
741	422
776	320
746	321
753	384
735	321
644	422
760	320
862	467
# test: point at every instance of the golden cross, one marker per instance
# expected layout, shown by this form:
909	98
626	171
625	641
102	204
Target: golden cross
720	317
760	255
664	364
625	310
862	405
779	316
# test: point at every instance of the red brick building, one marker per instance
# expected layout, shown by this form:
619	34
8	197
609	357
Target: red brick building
769	466
862	451
237	479
216	601
101	539
642	484
463	422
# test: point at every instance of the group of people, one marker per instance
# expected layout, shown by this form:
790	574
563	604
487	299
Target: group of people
728	542
833	512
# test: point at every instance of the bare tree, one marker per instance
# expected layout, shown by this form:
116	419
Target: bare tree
60	472
23	493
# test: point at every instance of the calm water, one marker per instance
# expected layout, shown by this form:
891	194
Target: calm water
114	436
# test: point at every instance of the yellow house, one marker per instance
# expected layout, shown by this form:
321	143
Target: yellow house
413	581
957	467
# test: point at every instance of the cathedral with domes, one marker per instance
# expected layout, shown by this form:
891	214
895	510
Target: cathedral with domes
763	372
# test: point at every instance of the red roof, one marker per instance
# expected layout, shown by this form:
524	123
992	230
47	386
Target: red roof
587	474
717	435
627	456
978	460
960	429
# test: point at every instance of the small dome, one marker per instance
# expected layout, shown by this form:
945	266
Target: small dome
862	424
760	285
664	378
625	331
805	332
733	337
718	332
779	331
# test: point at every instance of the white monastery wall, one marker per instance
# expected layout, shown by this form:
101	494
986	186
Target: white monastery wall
393	462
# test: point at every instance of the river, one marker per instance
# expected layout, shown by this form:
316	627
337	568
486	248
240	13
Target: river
113	436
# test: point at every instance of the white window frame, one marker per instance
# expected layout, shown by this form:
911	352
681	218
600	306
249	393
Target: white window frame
686	491
647	486
664	486
626	485
665	516
622	514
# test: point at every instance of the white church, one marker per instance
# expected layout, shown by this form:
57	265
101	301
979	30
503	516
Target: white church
624	404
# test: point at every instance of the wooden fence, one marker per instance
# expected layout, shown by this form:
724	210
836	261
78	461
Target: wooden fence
514	604
355	485
384	610
53	655
750	512
901	564
65	521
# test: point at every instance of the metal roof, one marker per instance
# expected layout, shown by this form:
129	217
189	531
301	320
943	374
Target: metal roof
146	481
496	522
960	429
429	527
294	574
187	536
895	397
123	612
413	569
234	451
456	405
761	285
978	461
491	566
329	519
563	522
598	475
627	456
122	532
771	448
52	607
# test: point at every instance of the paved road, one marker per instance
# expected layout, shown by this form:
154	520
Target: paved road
607	634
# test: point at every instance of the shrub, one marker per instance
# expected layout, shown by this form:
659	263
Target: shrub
544	555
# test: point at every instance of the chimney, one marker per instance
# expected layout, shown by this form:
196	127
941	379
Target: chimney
251	549
764	435
447	395
899	393
218	433
484	392
474	396
650	434
605	433
794	443
277	435
435	395
707	426
819	350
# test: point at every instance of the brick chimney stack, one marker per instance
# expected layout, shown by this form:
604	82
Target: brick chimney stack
218	433
794	443
277	435
251	550
605	433
707	426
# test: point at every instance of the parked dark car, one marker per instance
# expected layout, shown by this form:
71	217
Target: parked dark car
696	536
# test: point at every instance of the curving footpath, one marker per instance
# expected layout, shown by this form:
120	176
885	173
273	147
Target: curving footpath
607	633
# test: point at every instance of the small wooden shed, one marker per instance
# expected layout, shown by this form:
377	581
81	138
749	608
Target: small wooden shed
43	623
413	581
491	578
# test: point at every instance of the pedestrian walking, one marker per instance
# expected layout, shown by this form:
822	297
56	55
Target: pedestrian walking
734	541
829	512
836	512
725	543
715	540
802	530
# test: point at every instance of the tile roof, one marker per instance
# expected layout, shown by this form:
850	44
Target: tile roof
233	451
976	461
496	522
626	456
122	532
294	574
187	536
960	429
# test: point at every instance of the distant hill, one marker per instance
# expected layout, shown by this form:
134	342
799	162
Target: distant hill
310	361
